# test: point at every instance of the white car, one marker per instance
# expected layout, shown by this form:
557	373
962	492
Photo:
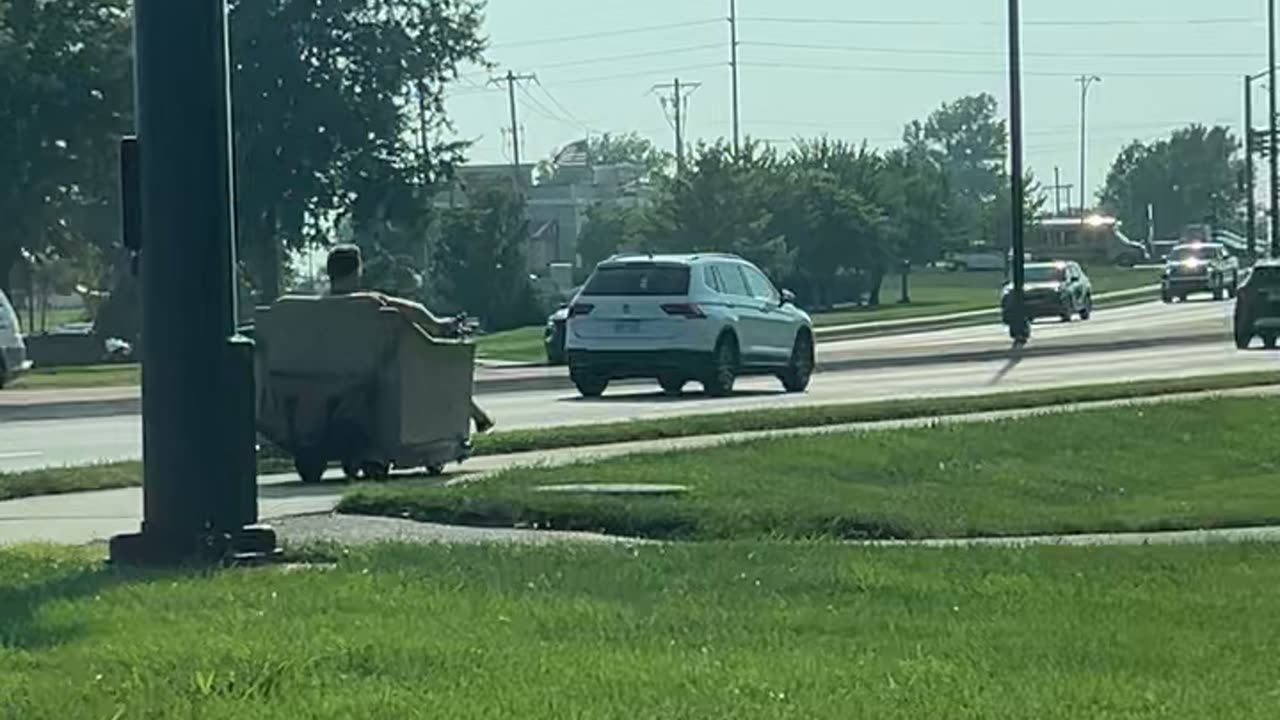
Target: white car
704	318
13	351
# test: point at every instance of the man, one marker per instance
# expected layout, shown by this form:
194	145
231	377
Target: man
345	268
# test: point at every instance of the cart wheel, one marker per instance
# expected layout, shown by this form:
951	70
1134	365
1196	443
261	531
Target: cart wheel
375	471
435	470
310	470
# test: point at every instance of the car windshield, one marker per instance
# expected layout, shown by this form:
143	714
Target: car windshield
638	279
1184	254
1045	273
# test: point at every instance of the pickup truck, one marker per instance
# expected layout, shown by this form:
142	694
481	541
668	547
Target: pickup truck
1200	267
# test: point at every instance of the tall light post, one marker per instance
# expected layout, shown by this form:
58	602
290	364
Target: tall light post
1250	175
1085	81
1019	326
1271	127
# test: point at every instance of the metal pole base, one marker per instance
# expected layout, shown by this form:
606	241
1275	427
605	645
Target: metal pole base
249	545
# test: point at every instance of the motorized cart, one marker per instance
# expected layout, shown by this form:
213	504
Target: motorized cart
343	379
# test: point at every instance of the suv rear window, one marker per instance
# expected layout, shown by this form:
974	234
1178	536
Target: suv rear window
638	279
1268	277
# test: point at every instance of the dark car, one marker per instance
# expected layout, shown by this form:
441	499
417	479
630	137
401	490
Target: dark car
1258	306
553	336
1199	267
1055	289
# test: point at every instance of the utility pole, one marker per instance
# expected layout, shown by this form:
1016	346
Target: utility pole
1085	81
733	64
1271	126
1019	326
511	78
1251	218
679	100
1058	187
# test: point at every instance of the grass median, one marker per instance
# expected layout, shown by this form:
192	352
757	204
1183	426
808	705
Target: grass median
125	474
740	631
1188	465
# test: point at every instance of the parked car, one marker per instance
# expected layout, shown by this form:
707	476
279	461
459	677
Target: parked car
1055	289
13	351
1199	267
706	318
1258	306
553	335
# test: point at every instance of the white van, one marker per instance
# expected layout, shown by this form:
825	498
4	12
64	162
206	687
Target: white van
13	352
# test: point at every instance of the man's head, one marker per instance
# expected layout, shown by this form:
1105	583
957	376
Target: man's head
344	268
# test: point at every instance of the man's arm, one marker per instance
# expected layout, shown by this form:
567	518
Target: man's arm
419	314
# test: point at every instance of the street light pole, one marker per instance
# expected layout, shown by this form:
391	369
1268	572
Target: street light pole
1271	126
199	464
1085	81
1251	219
1019	326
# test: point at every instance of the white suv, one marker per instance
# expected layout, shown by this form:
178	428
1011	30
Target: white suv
685	318
13	352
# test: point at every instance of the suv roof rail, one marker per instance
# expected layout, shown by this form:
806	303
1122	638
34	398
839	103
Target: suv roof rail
722	255
630	254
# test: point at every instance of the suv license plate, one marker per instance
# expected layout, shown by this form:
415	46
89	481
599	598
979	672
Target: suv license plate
627	327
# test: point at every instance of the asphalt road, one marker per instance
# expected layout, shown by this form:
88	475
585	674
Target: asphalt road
26	445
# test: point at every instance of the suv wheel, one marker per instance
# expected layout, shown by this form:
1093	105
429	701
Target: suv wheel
590	386
672	385
310	468
795	379
724	368
1086	311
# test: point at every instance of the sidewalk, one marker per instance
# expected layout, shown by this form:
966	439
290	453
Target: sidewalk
82	518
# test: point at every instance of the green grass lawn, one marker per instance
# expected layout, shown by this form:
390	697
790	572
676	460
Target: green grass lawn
942	292
520	345
1184	465
272	460
90	376
726	631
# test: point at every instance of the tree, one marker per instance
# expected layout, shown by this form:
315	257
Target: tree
65	100
480	264
721	203
1189	178
969	141
608	228
609	149
333	100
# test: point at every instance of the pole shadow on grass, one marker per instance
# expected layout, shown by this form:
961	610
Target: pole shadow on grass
21	626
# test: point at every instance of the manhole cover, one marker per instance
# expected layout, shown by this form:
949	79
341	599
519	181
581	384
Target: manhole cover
615	489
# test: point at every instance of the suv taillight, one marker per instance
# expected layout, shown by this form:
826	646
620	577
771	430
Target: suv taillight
684	310
580	309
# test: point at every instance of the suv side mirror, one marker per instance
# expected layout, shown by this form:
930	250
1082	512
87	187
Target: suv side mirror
788	298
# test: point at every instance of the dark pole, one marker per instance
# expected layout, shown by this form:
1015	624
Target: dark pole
199	477
515	128
675	101
1271	126
733	62
1019	328
1057	190
1251	219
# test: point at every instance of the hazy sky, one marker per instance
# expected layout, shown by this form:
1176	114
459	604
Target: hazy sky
860	69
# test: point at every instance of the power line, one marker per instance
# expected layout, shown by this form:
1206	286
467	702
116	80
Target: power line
640	73
529	102
998	23
633	56
993	53
956	71
562	108
609	33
